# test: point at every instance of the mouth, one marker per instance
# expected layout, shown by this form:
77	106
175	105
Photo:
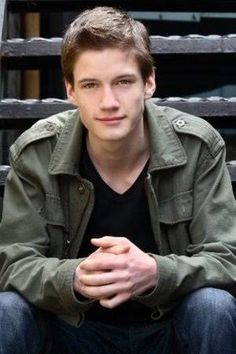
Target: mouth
110	119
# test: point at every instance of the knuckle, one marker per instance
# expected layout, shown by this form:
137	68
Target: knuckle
129	286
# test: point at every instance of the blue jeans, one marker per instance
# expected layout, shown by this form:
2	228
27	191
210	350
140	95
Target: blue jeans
204	323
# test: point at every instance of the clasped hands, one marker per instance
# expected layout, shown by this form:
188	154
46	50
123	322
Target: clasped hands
115	272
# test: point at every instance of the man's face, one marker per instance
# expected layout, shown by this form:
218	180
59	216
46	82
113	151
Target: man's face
110	93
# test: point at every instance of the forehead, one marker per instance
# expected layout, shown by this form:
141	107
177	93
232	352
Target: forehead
105	63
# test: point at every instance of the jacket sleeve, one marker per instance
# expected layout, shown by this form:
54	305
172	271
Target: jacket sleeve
210	258
24	243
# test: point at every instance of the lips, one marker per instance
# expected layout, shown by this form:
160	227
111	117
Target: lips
110	119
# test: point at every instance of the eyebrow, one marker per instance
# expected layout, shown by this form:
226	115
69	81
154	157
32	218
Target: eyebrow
125	76
84	80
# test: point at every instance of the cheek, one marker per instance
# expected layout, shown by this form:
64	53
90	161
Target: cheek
134	99
84	115
138	103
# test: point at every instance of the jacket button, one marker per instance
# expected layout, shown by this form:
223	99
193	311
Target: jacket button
50	127
81	188
180	123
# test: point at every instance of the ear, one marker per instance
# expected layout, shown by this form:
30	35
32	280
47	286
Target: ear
70	93
150	86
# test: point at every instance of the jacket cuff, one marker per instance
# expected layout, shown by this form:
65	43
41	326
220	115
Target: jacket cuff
71	302
165	283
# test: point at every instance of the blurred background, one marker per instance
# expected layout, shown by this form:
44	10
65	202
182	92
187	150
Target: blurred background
195	56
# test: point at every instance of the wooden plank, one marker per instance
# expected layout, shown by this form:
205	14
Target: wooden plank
19	47
3	175
4	169
232	171
147	5
220	112
31	78
191	44
2	18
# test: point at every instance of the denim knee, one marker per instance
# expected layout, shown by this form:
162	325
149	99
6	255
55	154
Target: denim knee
205	322
19	325
210	303
14	311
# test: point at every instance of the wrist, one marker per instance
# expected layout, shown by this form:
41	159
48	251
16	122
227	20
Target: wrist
154	276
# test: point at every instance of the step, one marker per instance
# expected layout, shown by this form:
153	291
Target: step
147	5
4	169
219	111
160	45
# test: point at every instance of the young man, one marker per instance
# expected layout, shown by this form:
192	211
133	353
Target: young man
118	231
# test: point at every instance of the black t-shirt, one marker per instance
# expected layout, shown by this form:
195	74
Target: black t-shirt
117	214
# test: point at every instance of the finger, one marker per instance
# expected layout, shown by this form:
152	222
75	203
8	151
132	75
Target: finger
96	279
109	241
106	291
115	300
118	249
78	285
103	278
97	255
104	262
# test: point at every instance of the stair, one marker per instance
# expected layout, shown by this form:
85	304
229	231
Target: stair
14	113
160	5
191	44
185	63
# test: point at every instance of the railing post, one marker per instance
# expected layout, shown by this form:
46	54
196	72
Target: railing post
3	175
2	37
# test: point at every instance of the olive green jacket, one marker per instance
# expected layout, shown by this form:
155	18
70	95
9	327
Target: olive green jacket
47	206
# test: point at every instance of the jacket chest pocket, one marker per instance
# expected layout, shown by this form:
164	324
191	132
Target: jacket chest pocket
175	217
53	214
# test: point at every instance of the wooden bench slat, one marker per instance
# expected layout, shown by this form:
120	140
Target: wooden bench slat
220	112
160	5
191	44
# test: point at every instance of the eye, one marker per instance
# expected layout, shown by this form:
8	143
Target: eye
125	82
88	85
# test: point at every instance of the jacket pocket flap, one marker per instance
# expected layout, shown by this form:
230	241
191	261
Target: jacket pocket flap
179	208
53	211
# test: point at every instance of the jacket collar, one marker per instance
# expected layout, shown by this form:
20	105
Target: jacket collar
166	148
66	155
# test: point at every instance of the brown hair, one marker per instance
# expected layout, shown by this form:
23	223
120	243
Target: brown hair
105	27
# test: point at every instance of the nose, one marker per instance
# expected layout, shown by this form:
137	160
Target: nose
109	100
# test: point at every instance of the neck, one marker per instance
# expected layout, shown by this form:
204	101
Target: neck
121	155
